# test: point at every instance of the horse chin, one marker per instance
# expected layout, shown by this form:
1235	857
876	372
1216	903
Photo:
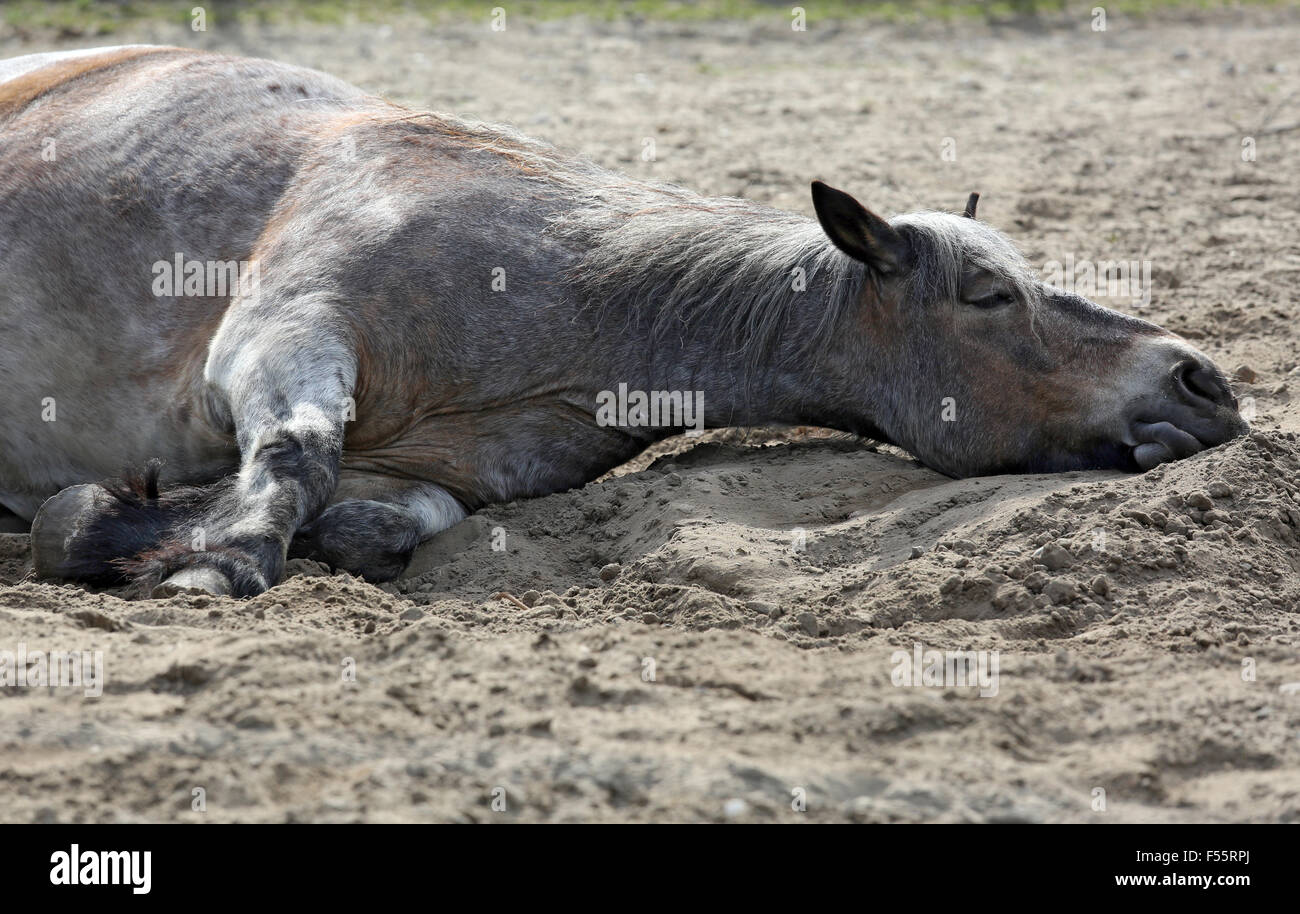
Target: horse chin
1110	455
1102	456
1106	455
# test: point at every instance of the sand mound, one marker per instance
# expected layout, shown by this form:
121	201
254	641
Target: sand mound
686	652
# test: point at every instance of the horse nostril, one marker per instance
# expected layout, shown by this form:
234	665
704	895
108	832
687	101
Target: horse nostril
1196	382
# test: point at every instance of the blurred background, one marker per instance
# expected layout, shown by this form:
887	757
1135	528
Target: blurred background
101	17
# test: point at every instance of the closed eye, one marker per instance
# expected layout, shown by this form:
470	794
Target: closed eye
992	300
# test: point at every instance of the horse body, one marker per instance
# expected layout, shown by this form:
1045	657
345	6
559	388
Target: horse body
260	163
430	308
205	170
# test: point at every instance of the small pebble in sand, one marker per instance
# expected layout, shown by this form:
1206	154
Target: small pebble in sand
735	808
1059	591
1053	556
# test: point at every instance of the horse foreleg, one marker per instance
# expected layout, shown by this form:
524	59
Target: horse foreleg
238	542
280	373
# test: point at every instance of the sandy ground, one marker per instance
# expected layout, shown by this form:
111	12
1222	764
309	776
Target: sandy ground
682	653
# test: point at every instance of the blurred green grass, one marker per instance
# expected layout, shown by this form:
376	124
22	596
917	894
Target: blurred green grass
96	17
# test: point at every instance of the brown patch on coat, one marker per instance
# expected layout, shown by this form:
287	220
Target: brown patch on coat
16	94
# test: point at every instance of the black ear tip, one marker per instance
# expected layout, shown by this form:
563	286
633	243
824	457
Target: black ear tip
823	193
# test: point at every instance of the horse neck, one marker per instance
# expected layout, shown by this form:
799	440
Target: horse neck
754	343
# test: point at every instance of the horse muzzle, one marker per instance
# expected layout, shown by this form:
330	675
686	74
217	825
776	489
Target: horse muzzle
1190	409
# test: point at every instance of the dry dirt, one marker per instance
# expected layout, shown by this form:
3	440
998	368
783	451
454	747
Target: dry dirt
678	657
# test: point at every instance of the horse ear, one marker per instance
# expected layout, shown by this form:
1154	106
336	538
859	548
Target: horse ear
856	230
970	205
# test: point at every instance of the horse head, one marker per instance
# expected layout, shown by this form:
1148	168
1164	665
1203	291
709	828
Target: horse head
960	354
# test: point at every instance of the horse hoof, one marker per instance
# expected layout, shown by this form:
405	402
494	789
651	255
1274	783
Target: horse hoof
193	581
57	522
